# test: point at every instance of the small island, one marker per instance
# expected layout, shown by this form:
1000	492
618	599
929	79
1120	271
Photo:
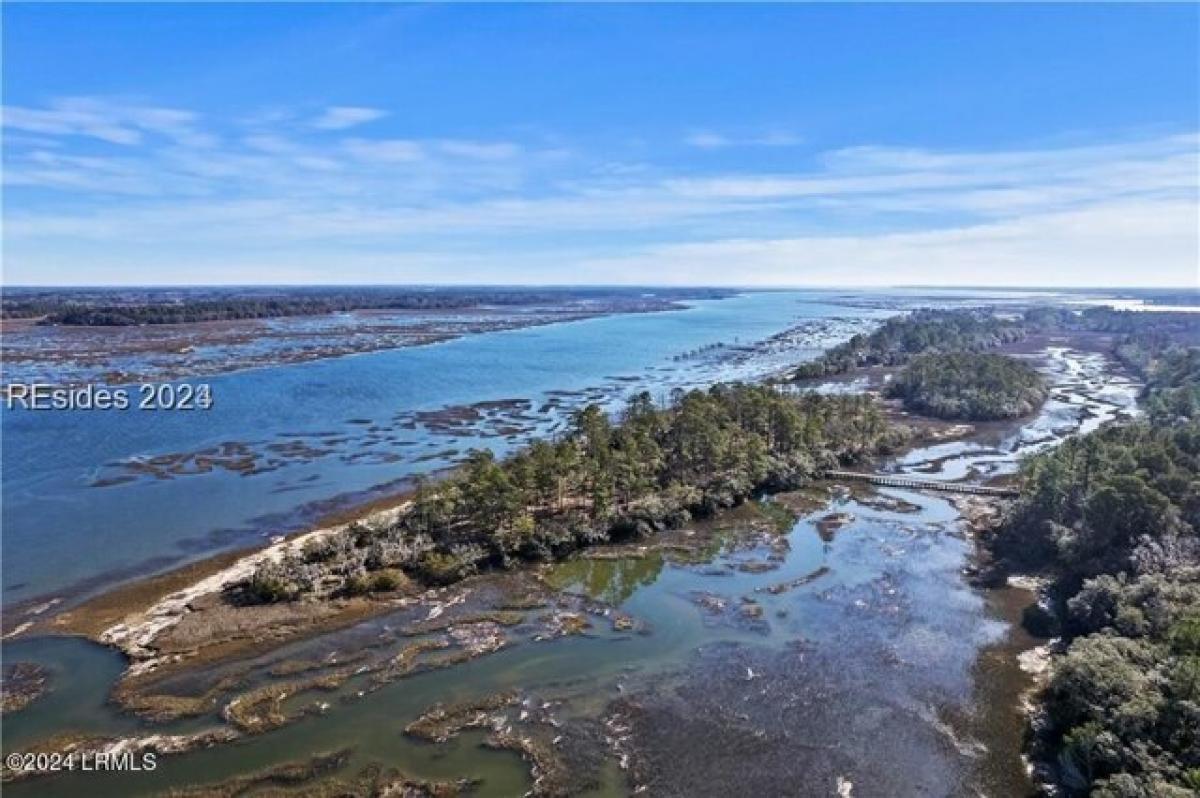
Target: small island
901	338
968	386
22	683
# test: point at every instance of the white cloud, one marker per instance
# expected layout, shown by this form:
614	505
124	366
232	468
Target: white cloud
155	182
341	117
67	121
276	145
1115	244
706	141
1109	244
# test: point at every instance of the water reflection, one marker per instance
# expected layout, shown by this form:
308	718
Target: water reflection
611	581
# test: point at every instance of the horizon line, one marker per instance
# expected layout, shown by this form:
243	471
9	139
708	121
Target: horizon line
568	286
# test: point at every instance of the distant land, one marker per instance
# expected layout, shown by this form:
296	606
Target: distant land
112	307
121	306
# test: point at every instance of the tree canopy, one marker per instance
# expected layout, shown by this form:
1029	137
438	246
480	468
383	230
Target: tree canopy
1113	517
971	386
900	338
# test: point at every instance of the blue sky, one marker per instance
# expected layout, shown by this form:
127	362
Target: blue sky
710	144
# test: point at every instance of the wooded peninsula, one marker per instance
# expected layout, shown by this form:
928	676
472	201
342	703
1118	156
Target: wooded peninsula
1113	520
604	481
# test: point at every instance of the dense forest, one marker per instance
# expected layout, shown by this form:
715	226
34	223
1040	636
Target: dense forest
649	469
1113	518
971	386
1173	325
900	338
1172	373
117	307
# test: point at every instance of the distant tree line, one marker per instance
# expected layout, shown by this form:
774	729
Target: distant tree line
1177	326
121	307
970	386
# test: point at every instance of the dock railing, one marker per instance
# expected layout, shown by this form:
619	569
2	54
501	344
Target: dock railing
901	481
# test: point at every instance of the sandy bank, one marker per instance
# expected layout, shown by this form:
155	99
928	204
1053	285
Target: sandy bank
135	618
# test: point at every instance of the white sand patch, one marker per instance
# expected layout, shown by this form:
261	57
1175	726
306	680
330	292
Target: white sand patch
136	633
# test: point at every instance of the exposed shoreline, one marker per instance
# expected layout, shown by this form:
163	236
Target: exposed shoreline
33	616
163	598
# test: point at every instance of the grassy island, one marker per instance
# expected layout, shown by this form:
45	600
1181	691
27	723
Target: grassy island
968	386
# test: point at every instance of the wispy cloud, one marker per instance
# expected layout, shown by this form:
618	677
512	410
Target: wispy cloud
706	141
341	117
163	183
412	151
106	120
710	140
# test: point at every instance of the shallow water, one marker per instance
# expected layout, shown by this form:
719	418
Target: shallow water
80	674
867	662
862	560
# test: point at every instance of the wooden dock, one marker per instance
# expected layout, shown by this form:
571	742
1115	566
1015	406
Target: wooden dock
900	481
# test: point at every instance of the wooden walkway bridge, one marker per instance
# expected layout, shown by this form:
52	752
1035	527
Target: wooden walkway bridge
900	481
